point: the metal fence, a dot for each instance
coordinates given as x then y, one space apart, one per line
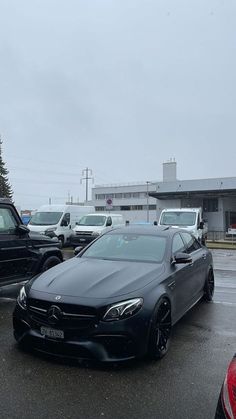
215 236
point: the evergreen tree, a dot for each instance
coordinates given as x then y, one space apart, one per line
5 187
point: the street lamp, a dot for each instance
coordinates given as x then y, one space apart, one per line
148 183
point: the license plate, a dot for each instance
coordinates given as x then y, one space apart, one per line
52 333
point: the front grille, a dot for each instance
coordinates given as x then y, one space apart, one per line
84 233
72 316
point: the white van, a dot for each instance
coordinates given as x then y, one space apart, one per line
58 220
189 219
92 225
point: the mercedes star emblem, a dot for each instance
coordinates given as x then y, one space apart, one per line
54 315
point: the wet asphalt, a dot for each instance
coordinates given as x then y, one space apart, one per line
184 384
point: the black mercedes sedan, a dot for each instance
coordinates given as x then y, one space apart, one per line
118 298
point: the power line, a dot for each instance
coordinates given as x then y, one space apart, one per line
50 163
44 170
42 182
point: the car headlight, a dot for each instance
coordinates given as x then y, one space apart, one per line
123 310
22 298
50 229
95 234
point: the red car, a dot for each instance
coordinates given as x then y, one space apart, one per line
226 407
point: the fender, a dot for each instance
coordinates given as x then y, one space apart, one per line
46 252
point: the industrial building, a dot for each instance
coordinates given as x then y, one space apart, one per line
143 202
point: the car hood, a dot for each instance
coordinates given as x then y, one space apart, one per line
40 239
95 278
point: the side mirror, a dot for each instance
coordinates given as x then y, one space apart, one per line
64 223
181 258
77 250
22 230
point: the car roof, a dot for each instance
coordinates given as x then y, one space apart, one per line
151 230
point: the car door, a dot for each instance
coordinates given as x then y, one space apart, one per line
180 284
198 254
15 256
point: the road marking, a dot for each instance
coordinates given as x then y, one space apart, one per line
225 303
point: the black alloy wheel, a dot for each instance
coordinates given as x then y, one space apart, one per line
209 286
160 333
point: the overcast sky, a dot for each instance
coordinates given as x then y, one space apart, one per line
119 86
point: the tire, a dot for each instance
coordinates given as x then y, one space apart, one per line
209 287
50 262
62 240
160 333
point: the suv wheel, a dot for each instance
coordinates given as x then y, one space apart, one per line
62 240
50 262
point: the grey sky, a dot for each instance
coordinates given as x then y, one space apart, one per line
116 85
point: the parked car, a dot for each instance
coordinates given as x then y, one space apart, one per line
93 225
57 220
22 254
226 408
118 298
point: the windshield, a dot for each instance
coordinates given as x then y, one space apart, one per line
136 247
45 218
92 220
178 218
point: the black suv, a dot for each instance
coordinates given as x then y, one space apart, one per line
23 254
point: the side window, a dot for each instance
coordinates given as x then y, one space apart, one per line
177 244
192 243
65 220
7 221
109 221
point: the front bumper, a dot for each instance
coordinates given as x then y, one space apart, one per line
105 341
81 240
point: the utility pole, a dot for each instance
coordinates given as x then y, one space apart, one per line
148 183
86 175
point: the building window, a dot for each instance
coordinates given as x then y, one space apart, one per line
100 196
127 195
125 208
100 209
137 207
210 205
118 195
135 194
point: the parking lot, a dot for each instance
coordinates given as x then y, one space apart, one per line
184 384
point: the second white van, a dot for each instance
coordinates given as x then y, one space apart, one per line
92 225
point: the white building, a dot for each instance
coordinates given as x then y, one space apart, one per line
141 202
